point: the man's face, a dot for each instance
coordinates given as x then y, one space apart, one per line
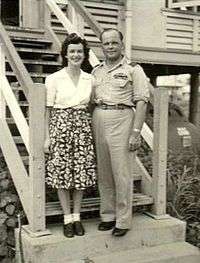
112 45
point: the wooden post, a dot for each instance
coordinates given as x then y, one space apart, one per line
194 98
32 13
128 29
195 41
160 151
2 75
36 158
76 19
153 81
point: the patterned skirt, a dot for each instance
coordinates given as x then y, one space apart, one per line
71 163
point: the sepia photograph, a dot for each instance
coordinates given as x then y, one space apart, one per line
99 131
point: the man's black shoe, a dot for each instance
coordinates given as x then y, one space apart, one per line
104 226
119 232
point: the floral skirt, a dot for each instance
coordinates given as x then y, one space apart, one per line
71 163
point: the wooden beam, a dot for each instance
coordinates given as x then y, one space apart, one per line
15 166
36 159
160 150
15 62
2 75
194 99
16 111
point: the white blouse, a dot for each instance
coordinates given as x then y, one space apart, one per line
62 92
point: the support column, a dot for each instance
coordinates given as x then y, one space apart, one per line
153 81
160 152
128 28
194 99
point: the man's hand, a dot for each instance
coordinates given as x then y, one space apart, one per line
134 142
46 145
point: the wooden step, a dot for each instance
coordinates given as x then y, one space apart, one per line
92 204
40 62
39 51
32 74
30 40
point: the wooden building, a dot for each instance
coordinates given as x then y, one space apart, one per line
164 36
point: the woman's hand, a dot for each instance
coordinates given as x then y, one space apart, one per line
46 145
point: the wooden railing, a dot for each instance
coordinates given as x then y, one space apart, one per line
155 185
184 4
29 185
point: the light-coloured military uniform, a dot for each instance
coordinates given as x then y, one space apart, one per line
122 85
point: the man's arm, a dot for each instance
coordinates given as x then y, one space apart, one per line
140 113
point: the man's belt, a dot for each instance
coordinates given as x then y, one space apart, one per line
113 107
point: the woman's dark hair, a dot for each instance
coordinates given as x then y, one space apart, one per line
73 38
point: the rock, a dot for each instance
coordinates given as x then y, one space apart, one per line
11 222
10 209
3 218
4 184
3 233
11 239
3 175
3 249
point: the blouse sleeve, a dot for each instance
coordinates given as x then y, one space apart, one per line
140 84
50 92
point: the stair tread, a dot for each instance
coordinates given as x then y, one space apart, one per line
32 74
157 254
40 62
92 204
29 39
37 50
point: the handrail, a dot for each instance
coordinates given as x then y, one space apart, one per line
15 62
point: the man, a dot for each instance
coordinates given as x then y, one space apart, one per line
118 87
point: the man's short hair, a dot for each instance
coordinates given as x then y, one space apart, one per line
111 29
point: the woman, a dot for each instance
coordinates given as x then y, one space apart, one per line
71 165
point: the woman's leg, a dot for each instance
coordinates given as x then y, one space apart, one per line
77 198
64 197
78 227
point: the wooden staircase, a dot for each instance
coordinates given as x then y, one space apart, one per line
30 57
40 61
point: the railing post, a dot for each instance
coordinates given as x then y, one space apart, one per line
36 159
76 19
195 42
2 75
160 129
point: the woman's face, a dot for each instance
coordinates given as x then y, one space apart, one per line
75 54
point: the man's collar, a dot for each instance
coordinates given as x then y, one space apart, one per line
120 63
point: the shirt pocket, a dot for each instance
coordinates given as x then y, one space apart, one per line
121 83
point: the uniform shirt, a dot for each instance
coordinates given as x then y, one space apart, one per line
62 92
123 84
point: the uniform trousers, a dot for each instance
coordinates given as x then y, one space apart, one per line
115 164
